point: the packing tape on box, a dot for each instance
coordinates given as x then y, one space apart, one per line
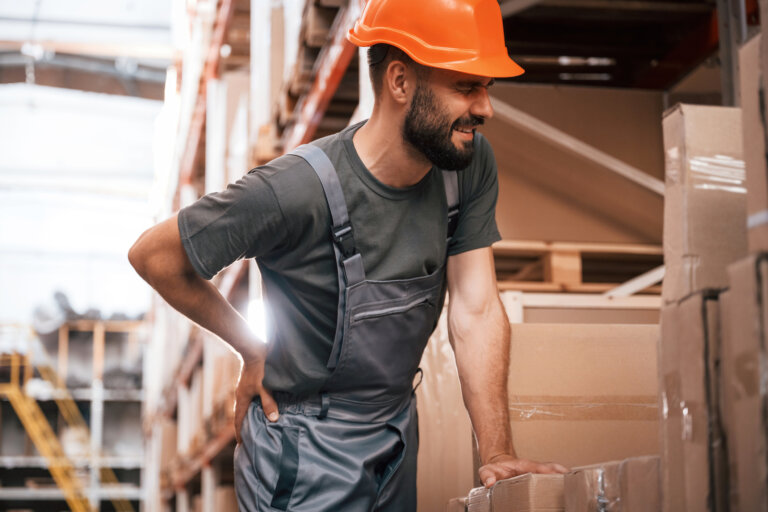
606 408
710 172
693 416
718 172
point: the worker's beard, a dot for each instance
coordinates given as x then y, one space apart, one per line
428 128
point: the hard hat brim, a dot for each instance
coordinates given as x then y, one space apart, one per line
494 66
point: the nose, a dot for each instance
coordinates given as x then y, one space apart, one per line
482 104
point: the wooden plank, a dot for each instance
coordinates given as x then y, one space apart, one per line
563 268
332 64
637 284
537 247
98 350
63 357
531 286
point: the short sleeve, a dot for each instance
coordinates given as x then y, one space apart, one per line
478 193
243 221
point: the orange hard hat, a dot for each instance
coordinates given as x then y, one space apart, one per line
462 35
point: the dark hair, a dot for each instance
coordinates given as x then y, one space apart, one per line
379 57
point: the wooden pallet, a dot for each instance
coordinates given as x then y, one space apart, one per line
572 267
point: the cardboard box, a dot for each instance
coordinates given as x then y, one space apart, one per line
704 202
694 473
639 484
457 505
593 487
525 493
745 371
578 394
630 485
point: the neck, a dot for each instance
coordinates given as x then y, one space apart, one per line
394 162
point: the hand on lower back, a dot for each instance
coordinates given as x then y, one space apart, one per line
249 386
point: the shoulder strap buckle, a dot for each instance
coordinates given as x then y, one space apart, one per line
344 238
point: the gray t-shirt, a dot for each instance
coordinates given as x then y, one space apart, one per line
277 213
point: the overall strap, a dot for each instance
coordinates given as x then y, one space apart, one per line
451 182
349 263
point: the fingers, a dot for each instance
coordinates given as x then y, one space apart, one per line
269 405
493 472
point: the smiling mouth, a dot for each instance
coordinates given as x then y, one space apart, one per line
465 130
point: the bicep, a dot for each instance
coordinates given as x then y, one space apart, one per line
471 282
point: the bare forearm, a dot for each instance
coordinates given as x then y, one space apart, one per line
200 301
481 344
159 258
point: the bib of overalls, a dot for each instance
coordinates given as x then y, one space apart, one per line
383 326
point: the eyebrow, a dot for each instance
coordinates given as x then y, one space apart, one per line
475 83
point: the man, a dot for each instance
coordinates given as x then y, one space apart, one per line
358 236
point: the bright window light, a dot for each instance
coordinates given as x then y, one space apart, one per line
257 318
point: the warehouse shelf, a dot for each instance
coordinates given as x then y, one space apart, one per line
87 395
104 493
26 461
102 352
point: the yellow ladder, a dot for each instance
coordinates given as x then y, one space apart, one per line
40 431
73 418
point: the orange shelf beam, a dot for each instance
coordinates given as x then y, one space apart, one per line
332 64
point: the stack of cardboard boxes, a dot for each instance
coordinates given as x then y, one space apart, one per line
712 348
744 386
704 232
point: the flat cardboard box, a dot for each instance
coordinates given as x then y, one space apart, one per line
525 493
546 192
594 487
639 484
704 201
578 394
745 371
693 460
754 146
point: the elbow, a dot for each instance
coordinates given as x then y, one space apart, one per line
137 258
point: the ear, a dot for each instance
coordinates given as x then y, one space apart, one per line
399 81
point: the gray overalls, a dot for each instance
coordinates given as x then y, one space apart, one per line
354 445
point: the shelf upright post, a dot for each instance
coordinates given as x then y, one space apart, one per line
97 412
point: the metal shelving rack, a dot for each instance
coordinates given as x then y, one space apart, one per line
64 407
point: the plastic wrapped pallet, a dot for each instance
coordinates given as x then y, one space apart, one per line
525 493
594 487
694 472
630 485
705 198
745 372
